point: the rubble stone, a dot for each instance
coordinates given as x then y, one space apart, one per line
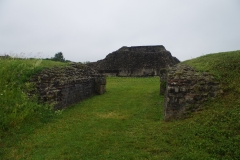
185 90
135 61
68 85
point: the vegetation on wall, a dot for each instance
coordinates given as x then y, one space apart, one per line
224 66
16 107
127 121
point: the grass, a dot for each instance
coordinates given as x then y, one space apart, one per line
17 110
224 66
115 125
127 123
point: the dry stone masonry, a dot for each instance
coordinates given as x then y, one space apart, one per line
163 80
185 90
135 61
68 85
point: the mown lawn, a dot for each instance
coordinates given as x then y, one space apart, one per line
124 123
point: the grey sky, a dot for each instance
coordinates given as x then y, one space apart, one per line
88 30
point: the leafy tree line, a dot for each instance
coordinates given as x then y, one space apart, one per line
58 57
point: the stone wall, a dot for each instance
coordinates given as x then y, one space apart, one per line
163 80
68 85
135 61
185 90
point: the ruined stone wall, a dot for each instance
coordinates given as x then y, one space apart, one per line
135 61
163 80
185 91
68 85
157 48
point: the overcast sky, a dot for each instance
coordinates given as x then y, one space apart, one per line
88 30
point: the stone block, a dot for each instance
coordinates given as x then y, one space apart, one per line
100 89
101 80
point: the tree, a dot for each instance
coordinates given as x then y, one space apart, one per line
86 62
59 57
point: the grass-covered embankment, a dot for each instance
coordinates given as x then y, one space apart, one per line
17 109
127 123
215 132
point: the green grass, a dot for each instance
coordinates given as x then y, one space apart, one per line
16 108
127 123
122 123
224 66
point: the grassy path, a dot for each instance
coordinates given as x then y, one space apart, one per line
124 123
